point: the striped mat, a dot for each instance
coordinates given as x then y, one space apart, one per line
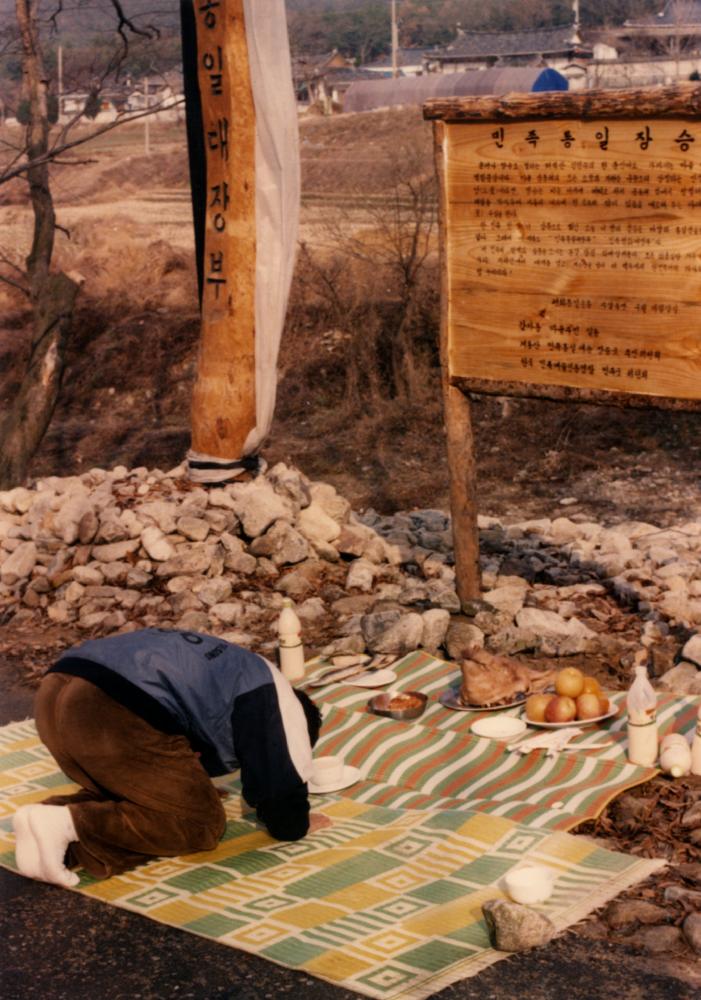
436 763
385 902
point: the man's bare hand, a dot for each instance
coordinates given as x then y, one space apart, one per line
317 821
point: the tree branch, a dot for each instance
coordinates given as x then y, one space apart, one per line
55 151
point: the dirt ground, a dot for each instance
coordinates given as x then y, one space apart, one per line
129 222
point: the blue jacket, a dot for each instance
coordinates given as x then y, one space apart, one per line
235 708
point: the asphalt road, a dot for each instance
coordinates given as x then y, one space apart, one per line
59 945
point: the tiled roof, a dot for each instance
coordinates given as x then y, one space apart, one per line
405 57
674 13
510 43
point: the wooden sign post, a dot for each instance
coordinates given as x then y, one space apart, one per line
223 401
571 259
244 166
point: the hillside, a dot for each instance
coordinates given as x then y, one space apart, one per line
348 410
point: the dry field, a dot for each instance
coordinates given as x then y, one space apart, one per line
349 409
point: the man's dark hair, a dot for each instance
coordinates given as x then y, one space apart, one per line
311 714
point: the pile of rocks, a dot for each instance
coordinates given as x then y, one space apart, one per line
118 549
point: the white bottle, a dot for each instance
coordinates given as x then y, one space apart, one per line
290 648
675 755
696 747
641 704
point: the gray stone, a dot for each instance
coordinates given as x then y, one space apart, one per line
162 513
19 564
508 598
303 581
282 543
656 940
325 496
236 559
116 572
489 622
692 817
316 525
353 539
691 929
179 603
361 575
192 560
679 679
195 529
461 634
624 912
226 612
213 591
513 927
435 627
194 621
345 644
675 893
89 575
156 545
392 632
257 506
691 650
116 551
443 595
222 499
312 610
290 483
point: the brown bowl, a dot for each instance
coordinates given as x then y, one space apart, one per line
389 704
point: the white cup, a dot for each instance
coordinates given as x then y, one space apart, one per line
530 884
327 771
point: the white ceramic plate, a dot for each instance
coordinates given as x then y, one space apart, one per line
349 777
377 679
450 699
573 722
499 727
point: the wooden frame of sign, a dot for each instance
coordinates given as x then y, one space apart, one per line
570 233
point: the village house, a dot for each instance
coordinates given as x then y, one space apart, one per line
557 48
660 48
321 81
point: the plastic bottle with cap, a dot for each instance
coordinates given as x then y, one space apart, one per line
641 704
675 755
696 747
290 648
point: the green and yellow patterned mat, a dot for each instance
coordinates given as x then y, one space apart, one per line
386 901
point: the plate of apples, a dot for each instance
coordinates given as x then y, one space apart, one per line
577 698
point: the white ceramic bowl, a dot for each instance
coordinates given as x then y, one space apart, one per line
327 771
530 884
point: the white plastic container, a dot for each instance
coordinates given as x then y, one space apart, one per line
530 884
696 747
290 648
641 703
675 755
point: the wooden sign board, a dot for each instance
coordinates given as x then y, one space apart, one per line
572 244
571 260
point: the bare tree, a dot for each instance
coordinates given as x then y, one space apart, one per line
52 295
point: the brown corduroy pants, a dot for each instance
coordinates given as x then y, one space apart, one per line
145 792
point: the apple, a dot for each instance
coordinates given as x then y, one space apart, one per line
591 685
561 708
570 682
588 706
536 705
604 704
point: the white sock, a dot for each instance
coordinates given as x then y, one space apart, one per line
53 830
26 847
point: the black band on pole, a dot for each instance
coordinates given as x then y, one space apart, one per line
195 132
